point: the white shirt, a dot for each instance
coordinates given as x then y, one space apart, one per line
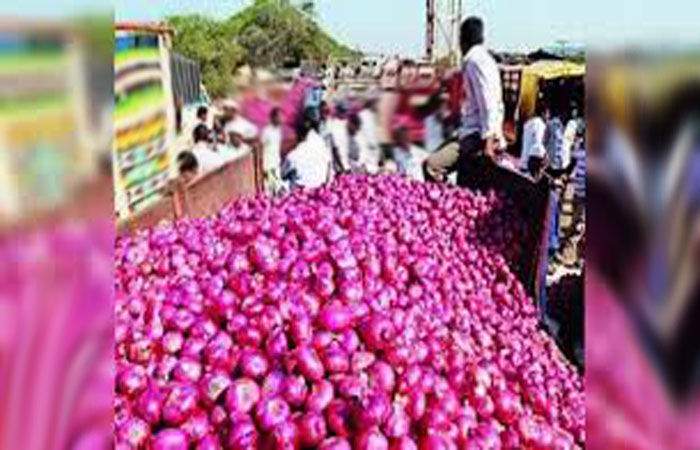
483 108
369 127
310 161
229 152
559 153
207 159
410 163
570 137
433 132
272 145
368 156
241 126
533 140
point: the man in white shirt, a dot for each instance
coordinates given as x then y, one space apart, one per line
272 151
308 165
407 157
533 151
234 148
236 123
355 151
207 159
368 117
481 132
571 134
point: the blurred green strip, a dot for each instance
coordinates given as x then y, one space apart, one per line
137 100
23 108
43 61
124 56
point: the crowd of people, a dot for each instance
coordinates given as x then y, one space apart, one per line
332 138
217 140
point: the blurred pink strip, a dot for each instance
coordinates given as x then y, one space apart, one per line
56 340
627 404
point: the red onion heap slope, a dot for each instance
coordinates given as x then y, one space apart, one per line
373 313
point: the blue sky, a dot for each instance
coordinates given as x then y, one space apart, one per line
397 25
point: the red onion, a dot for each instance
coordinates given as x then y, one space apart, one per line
338 417
149 405
285 436
309 363
242 436
170 439
242 396
294 390
335 317
134 431
373 310
312 429
320 396
402 443
434 442
371 439
361 361
398 423
381 376
336 361
271 412
209 442
334 443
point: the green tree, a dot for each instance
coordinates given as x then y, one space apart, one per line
206 41
269 33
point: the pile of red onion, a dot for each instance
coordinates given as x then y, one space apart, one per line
372 313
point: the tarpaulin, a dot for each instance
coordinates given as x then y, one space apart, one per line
543 70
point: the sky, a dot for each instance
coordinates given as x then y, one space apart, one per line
390 26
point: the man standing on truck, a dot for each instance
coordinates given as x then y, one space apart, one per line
272 151
481 131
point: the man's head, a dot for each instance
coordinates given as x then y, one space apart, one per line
371 104
325 110
341 110
535 165
188 165
276 116
202 113
542 109
402 137
230 109
471 33
354 124
200 134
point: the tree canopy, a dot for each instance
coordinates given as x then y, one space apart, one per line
269 33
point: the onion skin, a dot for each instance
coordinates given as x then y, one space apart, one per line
320 396
243 436
271 412
382 376
309 363
335 317
209 442
338 417
242 396
312 429
402 443
371 439
170 439
294 390
335 443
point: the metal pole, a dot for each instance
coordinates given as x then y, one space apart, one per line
429 29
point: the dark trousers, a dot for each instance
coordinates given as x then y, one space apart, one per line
464 156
